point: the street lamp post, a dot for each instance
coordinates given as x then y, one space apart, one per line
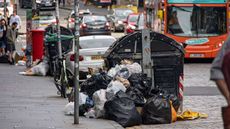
76 62
4 8
58 30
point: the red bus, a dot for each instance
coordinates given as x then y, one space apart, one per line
201 24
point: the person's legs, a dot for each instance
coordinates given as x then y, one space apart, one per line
11 49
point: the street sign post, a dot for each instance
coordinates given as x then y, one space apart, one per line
76 62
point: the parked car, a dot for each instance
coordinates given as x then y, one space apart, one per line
94 25
92 49
71 18
9 7
45 4
131 23
46 19
117 18
25 3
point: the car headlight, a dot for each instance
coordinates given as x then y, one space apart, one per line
120 22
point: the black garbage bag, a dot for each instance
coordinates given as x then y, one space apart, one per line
86 107
141 82
173 98
157 110
96 82
136 96
122 110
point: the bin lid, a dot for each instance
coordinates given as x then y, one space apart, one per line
131 43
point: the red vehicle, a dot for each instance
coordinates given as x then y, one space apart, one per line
200 24
131 23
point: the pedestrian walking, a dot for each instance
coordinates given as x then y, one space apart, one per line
15 18
220 73
3 39
11 35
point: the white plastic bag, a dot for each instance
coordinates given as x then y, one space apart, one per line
82 98
90 114
113 88
99 99
134 68
113 71
40 69
69 108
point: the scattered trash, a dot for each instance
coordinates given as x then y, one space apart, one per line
157 110
82 98
69 109
125 82
113 88
40 69
121 109
21 63
90 114
191 115
173 98
113 71
141 82
96 82
134 68
136 96
99 99
123 73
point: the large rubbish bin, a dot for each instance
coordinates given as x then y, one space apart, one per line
52 46
167 57
37 43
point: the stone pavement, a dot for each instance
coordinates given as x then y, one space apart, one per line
32 103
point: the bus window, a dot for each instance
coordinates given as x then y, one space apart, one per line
196 21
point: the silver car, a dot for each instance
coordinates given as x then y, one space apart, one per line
46 19
91 53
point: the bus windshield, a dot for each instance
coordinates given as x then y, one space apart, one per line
196 21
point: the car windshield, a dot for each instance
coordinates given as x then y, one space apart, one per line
197 21
122 14
93 42
46 17
133 18
90 19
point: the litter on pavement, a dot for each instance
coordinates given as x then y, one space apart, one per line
126 95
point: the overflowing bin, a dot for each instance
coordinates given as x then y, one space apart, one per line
167 58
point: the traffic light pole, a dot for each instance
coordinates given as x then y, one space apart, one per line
76 62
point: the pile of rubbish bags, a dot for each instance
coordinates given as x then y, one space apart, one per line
126 95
